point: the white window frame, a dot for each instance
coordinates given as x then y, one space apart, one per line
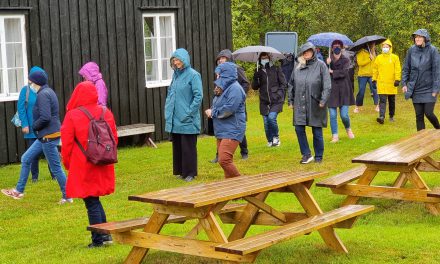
160 82
6 95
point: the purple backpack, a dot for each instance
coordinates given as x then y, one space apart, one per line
101 145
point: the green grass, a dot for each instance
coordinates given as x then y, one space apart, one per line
37 230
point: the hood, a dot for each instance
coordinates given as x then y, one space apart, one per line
225 53
183 55
90 71
388 42
422 32
306 46
84 94
228 75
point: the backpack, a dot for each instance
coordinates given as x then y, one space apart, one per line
101 145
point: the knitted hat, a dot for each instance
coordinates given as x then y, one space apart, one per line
38 77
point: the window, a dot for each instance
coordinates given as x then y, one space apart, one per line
159 43
13 62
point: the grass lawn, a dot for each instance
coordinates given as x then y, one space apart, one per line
37 230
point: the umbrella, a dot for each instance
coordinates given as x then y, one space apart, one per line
367 39
251 53
325 39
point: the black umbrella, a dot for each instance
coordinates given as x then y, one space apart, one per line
360 43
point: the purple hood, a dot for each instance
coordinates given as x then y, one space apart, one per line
90 71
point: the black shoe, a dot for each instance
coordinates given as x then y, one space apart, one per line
306 159
244 156
95 245
215 160
34 180
189 178
107 239
318 160
380 120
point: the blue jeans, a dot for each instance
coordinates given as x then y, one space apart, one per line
271 126
53 159
96 215
362 81
343 112
318 141
34 164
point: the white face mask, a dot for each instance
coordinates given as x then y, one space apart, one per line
385 50
264 62
33 88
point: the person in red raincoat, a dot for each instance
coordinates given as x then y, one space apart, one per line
86 180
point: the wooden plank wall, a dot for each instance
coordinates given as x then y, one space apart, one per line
64 34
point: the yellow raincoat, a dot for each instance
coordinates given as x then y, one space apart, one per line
365 64
386 70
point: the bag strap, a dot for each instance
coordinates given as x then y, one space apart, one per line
102 113
86 112
27 93
80 147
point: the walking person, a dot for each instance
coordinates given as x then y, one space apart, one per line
309 91
421 78
229 117
341 95
46 126
271 83
226 56
85 179
386 74
365 58
90 72
182 115
25 106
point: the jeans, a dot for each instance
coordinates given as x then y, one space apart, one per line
34 164
226 148
96 215
343 112
318 141
425 109
383 104
50 151
362 81
271 126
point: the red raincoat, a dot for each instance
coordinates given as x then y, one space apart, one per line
84 179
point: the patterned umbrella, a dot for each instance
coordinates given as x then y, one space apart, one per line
325 39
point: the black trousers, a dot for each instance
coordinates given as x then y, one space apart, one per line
244 146
96 215
383 104
425 109
184 154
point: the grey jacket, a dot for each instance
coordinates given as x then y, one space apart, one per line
309 85
421 71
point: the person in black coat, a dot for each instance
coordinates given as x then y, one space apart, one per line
270 80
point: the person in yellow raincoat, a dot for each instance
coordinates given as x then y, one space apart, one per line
364 59
386 75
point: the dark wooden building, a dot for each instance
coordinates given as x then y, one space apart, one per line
131 40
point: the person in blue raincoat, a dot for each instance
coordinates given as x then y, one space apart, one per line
421 78
182 114
229 117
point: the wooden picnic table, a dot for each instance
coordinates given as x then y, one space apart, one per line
407 157
203 202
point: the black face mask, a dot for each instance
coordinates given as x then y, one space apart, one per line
337 51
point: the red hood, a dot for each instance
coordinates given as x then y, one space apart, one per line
84 94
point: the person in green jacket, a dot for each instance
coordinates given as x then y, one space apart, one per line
182 114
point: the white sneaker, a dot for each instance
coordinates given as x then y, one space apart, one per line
67 200
269 144
276 142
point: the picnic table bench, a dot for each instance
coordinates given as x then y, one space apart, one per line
407 157
203 202
137 129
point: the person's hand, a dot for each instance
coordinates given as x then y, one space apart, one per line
208 113
291 106
330 71
434 94
374 82
25 130
396 83
404 89
321 105
218 91
329 60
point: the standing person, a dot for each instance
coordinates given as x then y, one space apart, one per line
229 117
47 129
270 80
226 56
342 93
386 74
86 180
309 90
90 72
364 59
182 115
25 106
352 57
319 54
421 78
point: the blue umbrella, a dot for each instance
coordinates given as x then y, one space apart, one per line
325 39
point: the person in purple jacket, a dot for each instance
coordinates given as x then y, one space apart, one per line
90 72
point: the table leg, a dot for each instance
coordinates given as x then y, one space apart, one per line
401 180
154 225
415 178
312 208
366 178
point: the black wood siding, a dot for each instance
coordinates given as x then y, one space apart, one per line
64 34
